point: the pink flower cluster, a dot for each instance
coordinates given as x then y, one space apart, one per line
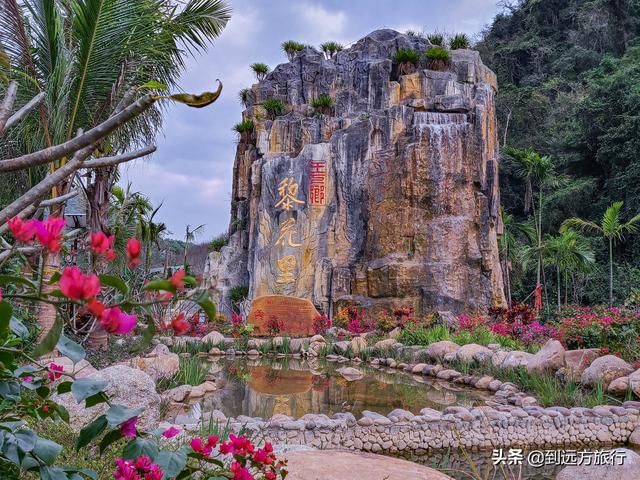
48 232
141 468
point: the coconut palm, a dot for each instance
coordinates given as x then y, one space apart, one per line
190 235
538 173
511 247
568 252
331 49
611 228
88 57
260 70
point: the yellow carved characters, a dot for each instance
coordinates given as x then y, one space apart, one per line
287 266
288 193
286 233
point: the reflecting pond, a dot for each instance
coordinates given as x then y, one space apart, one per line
295 387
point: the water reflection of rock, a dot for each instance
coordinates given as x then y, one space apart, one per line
293 387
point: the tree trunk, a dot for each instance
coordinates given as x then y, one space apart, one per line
558 281
611 272
46 315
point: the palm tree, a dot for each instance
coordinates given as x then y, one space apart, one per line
511 248
189 236
150 233
538 173
88 56
569 252
260 70
611 229
291 47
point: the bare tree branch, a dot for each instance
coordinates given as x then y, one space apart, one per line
20 114
7 104
118 159
58 200
8 253
56 152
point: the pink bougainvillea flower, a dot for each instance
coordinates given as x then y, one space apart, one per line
22 230
237 445
101 243
134 248
49 233
240 472
114 320
55 371
77 286
198 445
143 462
27 379
180 325
171 432
212 441
125 470
154 473
177 279
128 427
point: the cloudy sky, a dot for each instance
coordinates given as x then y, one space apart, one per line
191 171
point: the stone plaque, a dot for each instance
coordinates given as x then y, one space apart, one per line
293 315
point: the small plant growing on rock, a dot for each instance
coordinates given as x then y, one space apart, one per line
219 242
436 39
323 104
260 70
244 129
458 41
274 107
437 58
414 34
407 60
244 96
291 47
331 49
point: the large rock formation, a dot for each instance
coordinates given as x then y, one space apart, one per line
390 197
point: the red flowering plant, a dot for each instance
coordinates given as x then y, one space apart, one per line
321 323
353 319
274 325
27 384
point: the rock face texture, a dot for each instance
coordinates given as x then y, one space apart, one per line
389 197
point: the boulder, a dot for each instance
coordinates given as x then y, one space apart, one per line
158 366
628 470
498 357
604 370
342 465
214 338
516 359
438 350
126 386
619 386
634 438
177 394
634 382
341 347
548 359
468 353
350 374
358 344
386 344
576 361
159 349
395 333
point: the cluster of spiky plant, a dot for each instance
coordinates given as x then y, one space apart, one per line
274 107
243 96
437 58
323 103
331 49
437 39
260 70
407 60
291 47
458 41
245 126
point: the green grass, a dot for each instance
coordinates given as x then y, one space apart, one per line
436 39
406 55
420 335
195 347
217 243
274 107
438 54
459 40
243 96
245 126
322 102
547 388
192 371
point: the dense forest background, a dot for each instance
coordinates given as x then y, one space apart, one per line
569 76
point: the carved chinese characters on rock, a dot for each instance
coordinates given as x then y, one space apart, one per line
287 235
317 183
296 315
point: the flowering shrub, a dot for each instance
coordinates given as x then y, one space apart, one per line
385 321
274 325
321 324
26 384
353 319
598 327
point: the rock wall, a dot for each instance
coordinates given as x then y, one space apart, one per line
388 198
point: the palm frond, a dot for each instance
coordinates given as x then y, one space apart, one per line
580 225
611 221
199 22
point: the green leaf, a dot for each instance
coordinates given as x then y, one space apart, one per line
140 446
70 349
86 387
64 387
155 85
26 440
147 335
115 282
51 340
190 281
62 411
12 279
208 307
172 463
55 278
46 450
43 391
96 399
6 312
159 284
119 413
18 328
52 473
91 431
109 438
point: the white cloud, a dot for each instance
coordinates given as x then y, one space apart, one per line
321 23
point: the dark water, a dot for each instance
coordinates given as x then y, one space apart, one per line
295 387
